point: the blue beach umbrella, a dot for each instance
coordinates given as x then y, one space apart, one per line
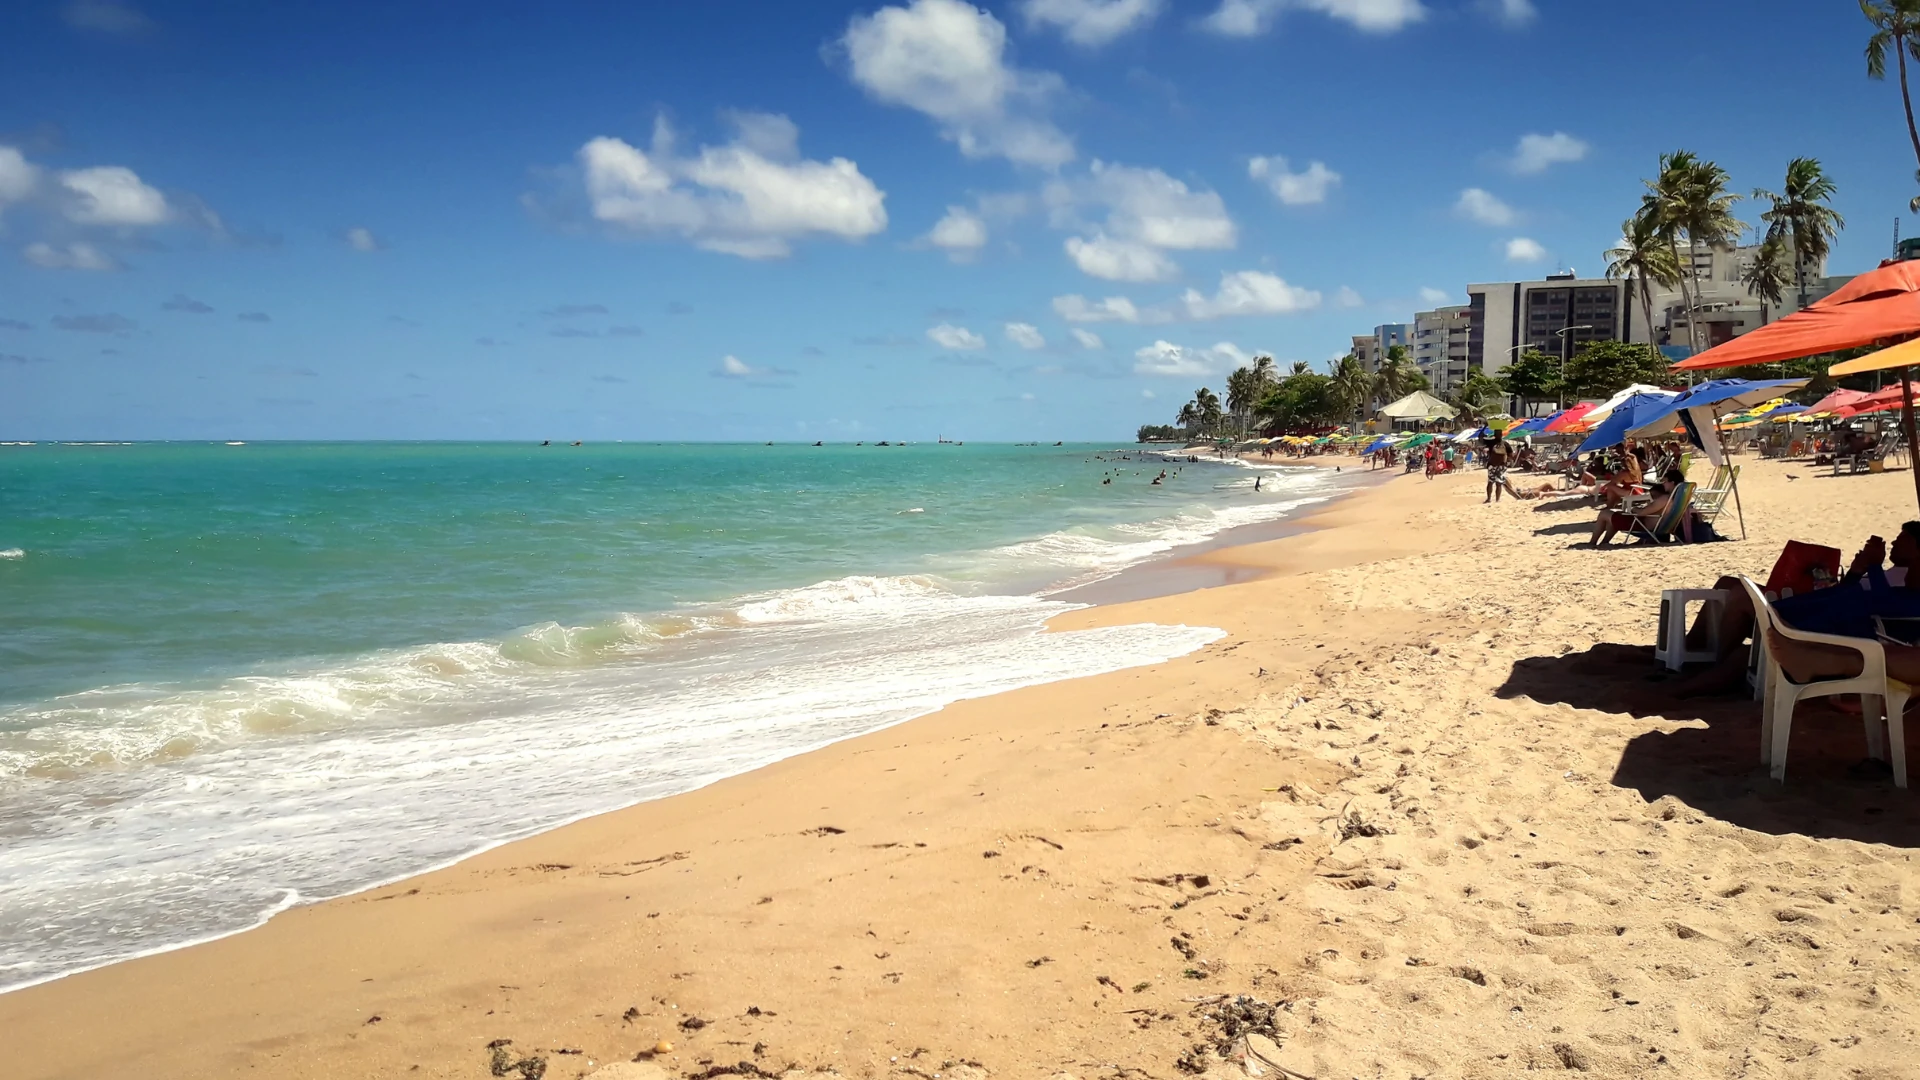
1722 395
1633 414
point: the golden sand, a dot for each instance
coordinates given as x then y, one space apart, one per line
1428 803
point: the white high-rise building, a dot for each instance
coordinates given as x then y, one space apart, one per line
1723 306
1440 345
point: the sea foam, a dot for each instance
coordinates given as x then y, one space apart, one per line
142 817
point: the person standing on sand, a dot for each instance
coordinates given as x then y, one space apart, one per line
1497 470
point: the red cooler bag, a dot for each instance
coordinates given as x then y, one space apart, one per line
1802 568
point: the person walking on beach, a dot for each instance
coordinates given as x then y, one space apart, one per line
1497 471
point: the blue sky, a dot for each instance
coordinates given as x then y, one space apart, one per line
807 219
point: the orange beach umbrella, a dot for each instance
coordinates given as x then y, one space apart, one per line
1879 305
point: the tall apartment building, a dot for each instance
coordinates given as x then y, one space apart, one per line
1722 305
1372 348
1367 350
1555 316
1440 345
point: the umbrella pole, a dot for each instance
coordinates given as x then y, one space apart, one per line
1906 426
1733 477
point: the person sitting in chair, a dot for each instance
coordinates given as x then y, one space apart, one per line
1847 608
1611 521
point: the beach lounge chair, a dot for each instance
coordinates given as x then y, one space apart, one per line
1671 522
1890 447
1710 500
1878 691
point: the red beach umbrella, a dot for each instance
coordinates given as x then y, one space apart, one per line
1571 417
1836 400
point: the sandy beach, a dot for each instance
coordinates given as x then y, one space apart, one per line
1428 806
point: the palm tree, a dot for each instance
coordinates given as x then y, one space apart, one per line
1242 392
1188 417
1246 386
1896 25
1476 391
1398 375
1645 258
1766 277
1690 196
1207 405
1353 385
1801 215
1300 367
1660 214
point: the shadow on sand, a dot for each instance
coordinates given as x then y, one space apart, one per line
1831 790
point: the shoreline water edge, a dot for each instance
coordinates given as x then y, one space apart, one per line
337 780
1425 807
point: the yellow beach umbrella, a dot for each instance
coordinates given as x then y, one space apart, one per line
1902 356
1905 354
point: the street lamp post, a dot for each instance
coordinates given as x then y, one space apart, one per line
1560 396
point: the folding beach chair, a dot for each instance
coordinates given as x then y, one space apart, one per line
1710 500
1668 525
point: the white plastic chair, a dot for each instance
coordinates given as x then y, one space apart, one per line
1876 689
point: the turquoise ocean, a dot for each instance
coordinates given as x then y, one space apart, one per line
239 677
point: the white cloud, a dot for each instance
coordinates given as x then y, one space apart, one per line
1482 206
105 16
947 59
112 195
961 234
1166 358
752 197
1025 335
1027 396
1078 309
1249 292
1251 18
732 367
1521 249
1538 153
76 256
1512 12
957 338
18 176
1146 206
1146 213
361 238
1087 338
1431 295
1291 188
1119 260
1347 298
1092 23
1148 394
